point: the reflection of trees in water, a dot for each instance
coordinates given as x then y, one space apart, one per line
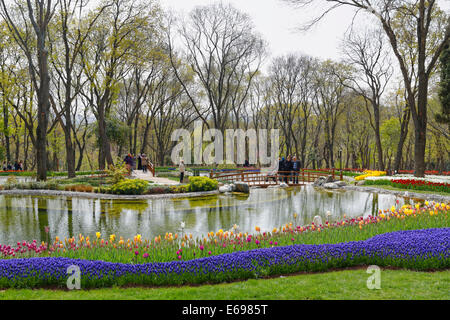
69 217
42 216
25 218
374 204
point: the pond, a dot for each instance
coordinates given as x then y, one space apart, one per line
25 217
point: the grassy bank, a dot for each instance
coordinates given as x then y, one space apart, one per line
345 284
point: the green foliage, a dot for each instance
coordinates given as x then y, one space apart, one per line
226 166
201 184
444 92
179 189
130 187
442 187
2 153
390 133
11 180
117 172
33 185
159 190
117 131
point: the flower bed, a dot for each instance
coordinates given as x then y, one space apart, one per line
413 184
418 250
173 247
428 178
430 172
370 173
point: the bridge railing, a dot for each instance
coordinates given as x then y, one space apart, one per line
258 177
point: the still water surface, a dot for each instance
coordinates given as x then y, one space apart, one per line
25 217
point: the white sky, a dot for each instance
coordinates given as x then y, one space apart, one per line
278 23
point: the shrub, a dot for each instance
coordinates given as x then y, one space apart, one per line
79 188
201 184
226 166
130 186
11 180
159 190
179 189
118 172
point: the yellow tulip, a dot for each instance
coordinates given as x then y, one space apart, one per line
98 234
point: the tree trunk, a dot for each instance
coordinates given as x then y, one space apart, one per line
5 131
43 112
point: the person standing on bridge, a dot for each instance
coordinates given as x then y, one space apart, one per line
182 169
139 157
281 168
144 161
295 170
288 169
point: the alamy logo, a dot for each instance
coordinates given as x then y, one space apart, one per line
74 280
374 281
235 148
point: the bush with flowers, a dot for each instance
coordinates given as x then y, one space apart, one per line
130 187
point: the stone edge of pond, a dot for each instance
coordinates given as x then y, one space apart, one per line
105 196
423 196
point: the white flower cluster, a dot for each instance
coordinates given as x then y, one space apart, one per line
428 178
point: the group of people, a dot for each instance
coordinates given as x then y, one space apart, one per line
288 169
142 162
18 166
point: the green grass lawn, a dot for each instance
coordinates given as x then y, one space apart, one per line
345 284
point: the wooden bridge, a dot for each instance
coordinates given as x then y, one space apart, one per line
256 177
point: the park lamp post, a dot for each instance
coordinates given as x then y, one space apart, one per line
340 161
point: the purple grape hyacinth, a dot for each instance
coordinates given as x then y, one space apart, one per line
418 249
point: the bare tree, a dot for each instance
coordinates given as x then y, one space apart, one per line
370 60
429 33
28 22
68 39
329 81
103 57
224 53
291 78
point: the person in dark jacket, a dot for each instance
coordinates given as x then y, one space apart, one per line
281 167
295 169
139 157
129 162
288 169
